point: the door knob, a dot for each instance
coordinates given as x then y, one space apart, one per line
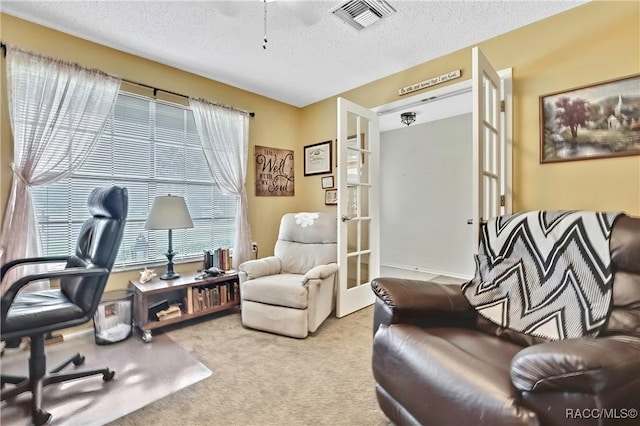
469 221
346 218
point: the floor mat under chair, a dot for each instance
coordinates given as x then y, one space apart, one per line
144 373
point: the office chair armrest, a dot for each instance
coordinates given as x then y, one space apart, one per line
44 259
11 293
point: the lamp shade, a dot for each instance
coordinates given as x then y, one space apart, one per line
169 212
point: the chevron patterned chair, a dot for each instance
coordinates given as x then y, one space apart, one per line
561 346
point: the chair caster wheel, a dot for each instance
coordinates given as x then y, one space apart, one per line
107 377
146 336
41 418
79 360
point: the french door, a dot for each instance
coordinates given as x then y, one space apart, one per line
358 207
488 194
358 189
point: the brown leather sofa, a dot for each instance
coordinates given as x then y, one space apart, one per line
436 362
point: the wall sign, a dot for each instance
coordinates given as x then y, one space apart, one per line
451 75
274 171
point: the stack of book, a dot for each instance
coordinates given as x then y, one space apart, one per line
220 258
199 298
172 311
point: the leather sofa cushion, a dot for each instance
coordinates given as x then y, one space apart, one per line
449 375
513 336
280 290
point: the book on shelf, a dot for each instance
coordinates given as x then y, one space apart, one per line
207 298
236 291
216 296
189 301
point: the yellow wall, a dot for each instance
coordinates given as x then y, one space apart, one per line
275 125
591 43
594 42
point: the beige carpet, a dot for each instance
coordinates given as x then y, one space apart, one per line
264 379
144 373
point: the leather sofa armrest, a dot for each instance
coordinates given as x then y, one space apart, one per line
423 303
578 365
251 269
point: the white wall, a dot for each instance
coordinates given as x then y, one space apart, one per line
426 197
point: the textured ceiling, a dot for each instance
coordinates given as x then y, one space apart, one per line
311 55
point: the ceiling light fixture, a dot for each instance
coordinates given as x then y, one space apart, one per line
408 117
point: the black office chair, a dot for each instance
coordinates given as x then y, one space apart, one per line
82 284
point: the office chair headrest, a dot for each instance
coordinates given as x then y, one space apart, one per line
110 202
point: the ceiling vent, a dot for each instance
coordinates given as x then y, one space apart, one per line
362 13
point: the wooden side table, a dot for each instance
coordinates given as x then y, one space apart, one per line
196 298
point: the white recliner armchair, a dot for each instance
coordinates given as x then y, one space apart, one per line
292 292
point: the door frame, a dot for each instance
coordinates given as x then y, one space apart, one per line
434 95
506 122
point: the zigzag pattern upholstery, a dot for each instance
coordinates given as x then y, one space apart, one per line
545 273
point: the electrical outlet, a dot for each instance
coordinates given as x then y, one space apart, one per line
254 247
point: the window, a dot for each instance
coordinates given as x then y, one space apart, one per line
152 148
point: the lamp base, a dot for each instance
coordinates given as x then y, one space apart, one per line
169 275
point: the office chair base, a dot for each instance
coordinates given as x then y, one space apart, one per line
41 418
35 385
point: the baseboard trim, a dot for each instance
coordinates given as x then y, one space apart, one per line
426 271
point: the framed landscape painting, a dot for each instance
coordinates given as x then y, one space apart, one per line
597 121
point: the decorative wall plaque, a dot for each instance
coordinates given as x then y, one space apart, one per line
451 75
274 171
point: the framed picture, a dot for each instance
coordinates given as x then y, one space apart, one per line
327 182
331 196
317 158
597 121
274 171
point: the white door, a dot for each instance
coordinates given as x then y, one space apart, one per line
358 213
487 140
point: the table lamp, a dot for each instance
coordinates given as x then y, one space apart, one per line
169 212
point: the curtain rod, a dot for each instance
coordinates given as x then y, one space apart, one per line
156 90
3 46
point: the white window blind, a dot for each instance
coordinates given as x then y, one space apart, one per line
152 148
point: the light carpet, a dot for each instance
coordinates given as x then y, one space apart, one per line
266 379
144 373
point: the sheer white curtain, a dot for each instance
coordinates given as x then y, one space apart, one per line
224 133
57 111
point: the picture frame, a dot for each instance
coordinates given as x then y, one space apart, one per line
274 169
330 197
601 120
317 158
327 182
